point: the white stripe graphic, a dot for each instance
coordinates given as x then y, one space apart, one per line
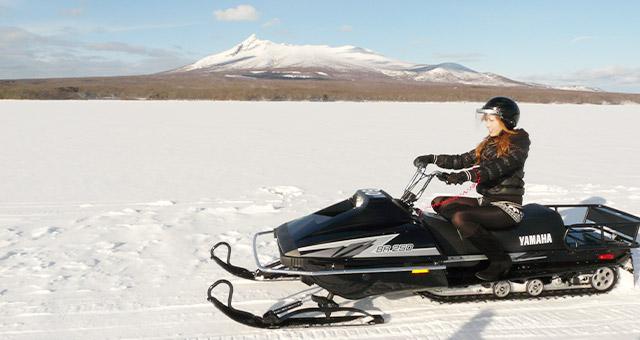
379 240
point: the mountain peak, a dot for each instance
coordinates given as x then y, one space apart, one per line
252 41
247 44
260 58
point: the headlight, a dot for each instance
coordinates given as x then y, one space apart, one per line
359 201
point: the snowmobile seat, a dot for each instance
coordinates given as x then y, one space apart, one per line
537 220
536 215
541 228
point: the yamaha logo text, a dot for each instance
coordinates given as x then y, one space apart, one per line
532 240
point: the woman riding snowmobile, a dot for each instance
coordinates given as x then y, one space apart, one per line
372 244
497 165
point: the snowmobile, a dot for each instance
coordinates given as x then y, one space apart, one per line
372 244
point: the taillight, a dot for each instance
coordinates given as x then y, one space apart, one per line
605 257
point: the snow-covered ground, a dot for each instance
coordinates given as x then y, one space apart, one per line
108 210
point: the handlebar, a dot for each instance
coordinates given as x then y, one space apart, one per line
408 197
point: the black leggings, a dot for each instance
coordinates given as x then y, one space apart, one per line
466 214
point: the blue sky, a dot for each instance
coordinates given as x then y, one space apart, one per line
593 43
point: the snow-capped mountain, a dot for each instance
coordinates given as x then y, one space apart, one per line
255 58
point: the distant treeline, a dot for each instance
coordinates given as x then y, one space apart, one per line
218 87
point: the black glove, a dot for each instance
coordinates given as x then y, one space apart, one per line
454 177
424 160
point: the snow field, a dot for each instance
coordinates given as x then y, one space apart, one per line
109 209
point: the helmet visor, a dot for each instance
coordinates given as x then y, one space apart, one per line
481 114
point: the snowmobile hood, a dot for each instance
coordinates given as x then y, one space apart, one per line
369 213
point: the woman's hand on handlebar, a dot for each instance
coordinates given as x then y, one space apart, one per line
454 177
422 161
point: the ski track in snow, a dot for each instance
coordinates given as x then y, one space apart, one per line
99 270
140 269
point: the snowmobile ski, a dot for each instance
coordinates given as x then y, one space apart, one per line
291 315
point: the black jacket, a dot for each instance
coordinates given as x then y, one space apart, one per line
500 177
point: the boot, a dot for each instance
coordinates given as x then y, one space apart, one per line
499 260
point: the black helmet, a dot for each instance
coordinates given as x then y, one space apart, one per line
505 108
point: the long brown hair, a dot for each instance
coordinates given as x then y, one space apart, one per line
502 141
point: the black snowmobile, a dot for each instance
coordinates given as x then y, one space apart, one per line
372 244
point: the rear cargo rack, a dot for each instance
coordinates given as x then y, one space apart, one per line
602 228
